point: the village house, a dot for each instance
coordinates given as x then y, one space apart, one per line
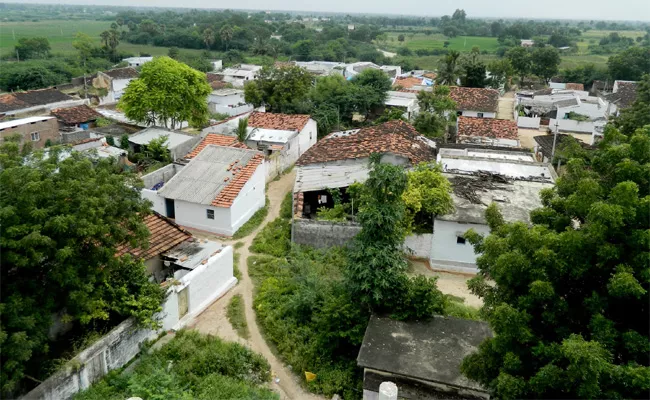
527 43
215 80
217 191
228 101
35 130
475 102
283 138
240 74
75 118
322 68
581 117
352 70
178 143
487 131
413 83
622 96
114 82
405 101
35 102
137 61
480 176
544 146
422 358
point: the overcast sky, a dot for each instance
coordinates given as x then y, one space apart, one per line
554 9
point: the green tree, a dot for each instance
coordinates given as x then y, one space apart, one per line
427 195
173 52
208 38
84 45
36 47
630 64
437 112
282 90
334 93
545 62
242 130
390 114
167 92
448 71
158 150
62 223
400 37
371 87
558 294
521 61
226 33
639 113
500 73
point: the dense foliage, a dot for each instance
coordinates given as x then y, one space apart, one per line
436 112
62 221
281 90
427 195
167 92
190 366
569 299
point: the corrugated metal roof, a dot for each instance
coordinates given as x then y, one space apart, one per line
331 175
206 175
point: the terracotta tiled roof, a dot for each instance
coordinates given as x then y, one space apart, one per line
122 73
215 80
430 75
575 86
487 127
165 235
228 194
76 115
475 99
216 139
545 143
287 122
407 82
396 137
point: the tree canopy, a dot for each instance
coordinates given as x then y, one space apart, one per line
282 90
62 220
437 112
569 299
167 92
630 64
639 113
545 62
35 47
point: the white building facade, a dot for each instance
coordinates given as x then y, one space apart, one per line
228 101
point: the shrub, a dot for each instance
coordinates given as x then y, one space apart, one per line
274 239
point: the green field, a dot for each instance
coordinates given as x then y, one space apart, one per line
436 41
61 34
593 37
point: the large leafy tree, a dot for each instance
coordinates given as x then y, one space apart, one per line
569 301
36 47
448 72
521 61
545 62
427 195
282 90
473 70
167 92
370 88
437 112
630 64
639 113
61 224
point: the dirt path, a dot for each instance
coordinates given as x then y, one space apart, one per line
448 282
506 106
213 320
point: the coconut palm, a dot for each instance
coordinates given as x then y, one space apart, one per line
448 71
226 34
242 130
208 37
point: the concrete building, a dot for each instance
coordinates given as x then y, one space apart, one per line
322 68
228 101
405 101
475 102
479 176
241 74
34 130
283 138
622 96
114 81
178 143
137 61
352 70
487 131
422 358
35 102
217 191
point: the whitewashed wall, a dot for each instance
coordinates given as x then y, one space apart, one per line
467 113
419 246
569 125
195 215
446 253
528 122
250 199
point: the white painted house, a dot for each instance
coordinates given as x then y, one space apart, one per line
352 70
137 61
114 81
228 101
475 102
241 74
217 191
514 180
589 112
178 143
405 101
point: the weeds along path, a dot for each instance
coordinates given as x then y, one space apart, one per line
213 320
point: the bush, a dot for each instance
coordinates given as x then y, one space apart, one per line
274 239
286 208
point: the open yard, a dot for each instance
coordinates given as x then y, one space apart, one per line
62 33
415 41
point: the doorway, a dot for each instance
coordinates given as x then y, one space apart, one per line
169 208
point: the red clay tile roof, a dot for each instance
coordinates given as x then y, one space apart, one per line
430 75
76 115
475 99
286 122
407 82
216 139
396 137
487 127
215 81
165 235
31 98
575 86
228 194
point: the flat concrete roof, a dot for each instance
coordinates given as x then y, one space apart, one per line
174 138
23 121
430 351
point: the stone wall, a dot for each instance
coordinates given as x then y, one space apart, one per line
323 234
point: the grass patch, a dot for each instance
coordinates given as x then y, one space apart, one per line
458 309
237 316
253 222
274 239
235 265
238 245
286 208
190 366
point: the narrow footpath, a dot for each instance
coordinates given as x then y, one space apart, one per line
213 320
506 106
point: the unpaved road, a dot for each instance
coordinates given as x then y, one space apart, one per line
213 320
506 106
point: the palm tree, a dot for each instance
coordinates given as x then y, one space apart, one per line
113 41
448 72
226 35
242 130
105 35
208 37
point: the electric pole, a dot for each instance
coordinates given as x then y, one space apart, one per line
557 124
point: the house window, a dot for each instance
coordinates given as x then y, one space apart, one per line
480 115
35 136
459 113
460 240
210 214
309 135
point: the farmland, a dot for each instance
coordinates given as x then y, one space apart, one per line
416 41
